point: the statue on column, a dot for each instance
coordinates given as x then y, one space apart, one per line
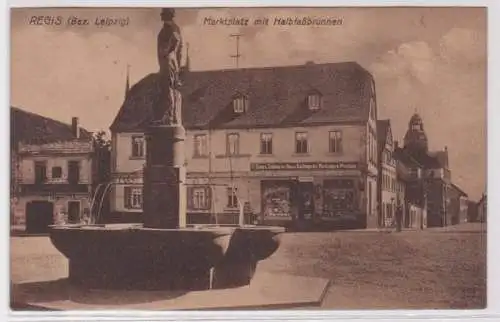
169 59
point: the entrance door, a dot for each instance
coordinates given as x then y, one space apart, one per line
369 199
306 200
39 215
73 212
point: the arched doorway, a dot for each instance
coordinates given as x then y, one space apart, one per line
39 215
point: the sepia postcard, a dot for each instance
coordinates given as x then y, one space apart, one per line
248 158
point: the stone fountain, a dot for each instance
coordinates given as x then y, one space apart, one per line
163 253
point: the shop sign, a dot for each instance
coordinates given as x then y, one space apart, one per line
304 166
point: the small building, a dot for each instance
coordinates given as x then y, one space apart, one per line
51 171
458 205
388 185
290 144
482 209
472 211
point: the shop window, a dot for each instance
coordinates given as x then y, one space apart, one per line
266 143
338 197
199 197
301 142
276 199
133 197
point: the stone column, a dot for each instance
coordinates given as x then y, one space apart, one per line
164 178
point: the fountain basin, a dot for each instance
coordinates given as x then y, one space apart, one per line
129 256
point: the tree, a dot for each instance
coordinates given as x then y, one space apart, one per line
102 173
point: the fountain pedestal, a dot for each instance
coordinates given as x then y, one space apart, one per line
164 191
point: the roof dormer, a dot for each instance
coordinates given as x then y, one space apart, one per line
314 100
240 103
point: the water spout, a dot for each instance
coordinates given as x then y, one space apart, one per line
241 217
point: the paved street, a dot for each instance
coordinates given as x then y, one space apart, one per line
437 268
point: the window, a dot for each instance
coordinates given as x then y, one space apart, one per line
56 172
73 172
200 145
335 141
301 142
40 172
240 104
133 197
372 108
232 199
137 146
388 157
314 102
388 210
266 143
200 198
233 144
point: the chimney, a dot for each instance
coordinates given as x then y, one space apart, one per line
75 128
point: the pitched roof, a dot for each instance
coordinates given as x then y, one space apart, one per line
29 127
404 157
460 191
277 97
441 158
382 129
431 159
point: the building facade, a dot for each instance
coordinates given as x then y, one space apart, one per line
472 211
284 145
482 209
458 205
52 175
410 176
389 188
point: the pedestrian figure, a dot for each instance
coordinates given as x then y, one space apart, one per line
399 216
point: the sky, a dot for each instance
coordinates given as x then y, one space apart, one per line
427 60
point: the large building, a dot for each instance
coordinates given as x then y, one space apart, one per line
437 175
51 171
287 144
